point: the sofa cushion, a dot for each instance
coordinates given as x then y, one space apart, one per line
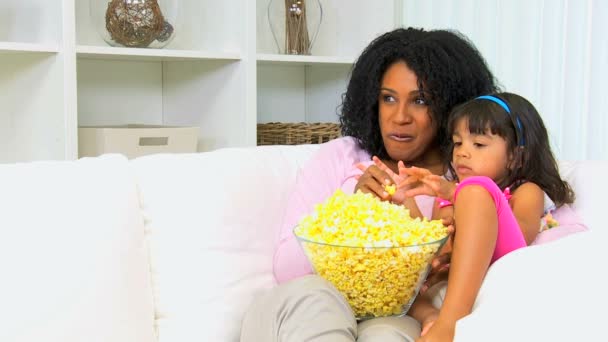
546 292
211 220
542 293
72 253
589 182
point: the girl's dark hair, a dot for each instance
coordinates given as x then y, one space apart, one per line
449 69
532 158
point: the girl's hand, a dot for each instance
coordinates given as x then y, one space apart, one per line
428 322
438 331
423 182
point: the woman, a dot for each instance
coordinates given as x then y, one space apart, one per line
401 90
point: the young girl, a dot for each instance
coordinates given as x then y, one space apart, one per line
501 167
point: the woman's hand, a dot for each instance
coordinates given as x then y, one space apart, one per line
440 269
373 181
440 266
377 177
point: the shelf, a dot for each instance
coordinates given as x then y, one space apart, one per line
29 48
305 60
139 54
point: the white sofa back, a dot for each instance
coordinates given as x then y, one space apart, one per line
211 221
72 254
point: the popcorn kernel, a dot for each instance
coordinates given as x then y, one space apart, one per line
390 189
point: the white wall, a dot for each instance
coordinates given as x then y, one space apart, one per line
553 52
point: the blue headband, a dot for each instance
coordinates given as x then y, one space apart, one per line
504 106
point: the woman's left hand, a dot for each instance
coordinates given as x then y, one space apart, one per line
440 266
440 270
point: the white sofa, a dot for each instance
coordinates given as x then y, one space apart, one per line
172 248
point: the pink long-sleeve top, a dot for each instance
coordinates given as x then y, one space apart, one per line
332 167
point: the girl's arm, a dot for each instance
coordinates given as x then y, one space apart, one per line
527 203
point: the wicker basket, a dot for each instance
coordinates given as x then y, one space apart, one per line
280 133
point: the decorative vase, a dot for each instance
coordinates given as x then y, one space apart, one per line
135 23
294 24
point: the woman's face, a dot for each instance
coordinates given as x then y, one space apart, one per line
408 132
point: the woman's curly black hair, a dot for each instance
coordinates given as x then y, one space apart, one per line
449 68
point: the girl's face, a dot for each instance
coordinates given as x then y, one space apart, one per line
479 154
405 122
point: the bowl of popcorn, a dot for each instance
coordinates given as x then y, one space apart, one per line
373 252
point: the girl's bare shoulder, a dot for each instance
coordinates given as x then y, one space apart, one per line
528 188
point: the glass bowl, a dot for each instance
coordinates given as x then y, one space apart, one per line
135 23
376 281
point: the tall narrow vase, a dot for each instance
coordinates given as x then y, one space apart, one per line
294 24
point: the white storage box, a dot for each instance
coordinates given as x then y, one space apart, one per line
136 140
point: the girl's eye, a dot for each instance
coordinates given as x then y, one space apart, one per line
479 145
457 143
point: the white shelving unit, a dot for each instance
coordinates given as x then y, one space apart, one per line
221 73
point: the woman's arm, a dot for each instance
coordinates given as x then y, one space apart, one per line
319 178
527 203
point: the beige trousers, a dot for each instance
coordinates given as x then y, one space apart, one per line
310 309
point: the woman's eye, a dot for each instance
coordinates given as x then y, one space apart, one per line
420 101
388 98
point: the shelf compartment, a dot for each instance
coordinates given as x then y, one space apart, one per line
140 54
32 21
203 26
300 93
174 93
32 120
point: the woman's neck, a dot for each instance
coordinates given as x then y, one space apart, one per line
431 162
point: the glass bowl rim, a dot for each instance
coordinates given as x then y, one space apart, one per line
440 241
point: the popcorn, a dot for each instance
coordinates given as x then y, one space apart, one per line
373 252
390 189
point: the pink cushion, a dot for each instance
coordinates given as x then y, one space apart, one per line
569 223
